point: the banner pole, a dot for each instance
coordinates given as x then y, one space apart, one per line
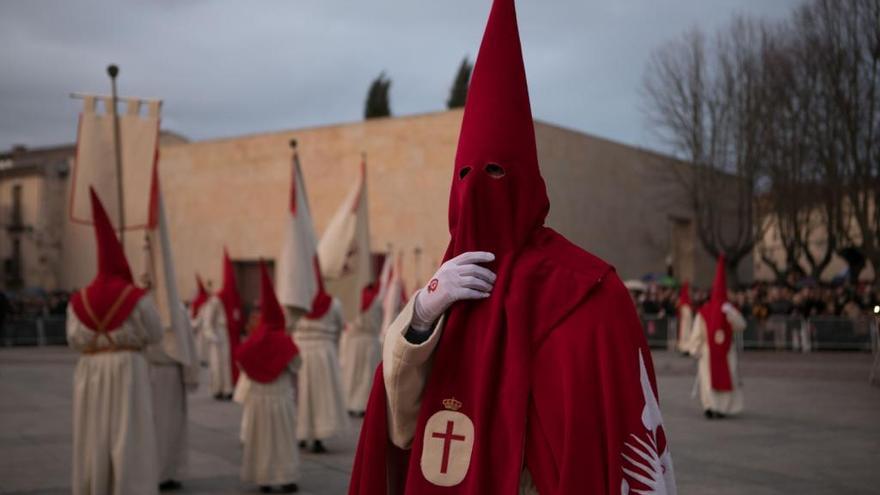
113 71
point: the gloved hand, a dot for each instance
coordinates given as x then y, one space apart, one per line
459 278
727 307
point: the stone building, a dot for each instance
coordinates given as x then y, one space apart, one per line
614 200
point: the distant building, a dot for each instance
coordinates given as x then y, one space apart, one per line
611 199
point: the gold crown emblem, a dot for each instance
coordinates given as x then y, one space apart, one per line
452 404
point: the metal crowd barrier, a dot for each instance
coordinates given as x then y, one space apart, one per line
34 330
824 333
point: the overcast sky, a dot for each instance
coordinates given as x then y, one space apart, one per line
227 68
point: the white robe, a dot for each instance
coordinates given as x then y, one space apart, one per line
322 412
685 325
217 337
114 439
360 353
271 452
199 324
728 403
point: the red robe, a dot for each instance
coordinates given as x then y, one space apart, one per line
588 419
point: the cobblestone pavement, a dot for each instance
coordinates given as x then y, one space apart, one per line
812 426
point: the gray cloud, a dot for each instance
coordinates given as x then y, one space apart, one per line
226 68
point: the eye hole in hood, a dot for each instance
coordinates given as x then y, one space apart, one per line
495 171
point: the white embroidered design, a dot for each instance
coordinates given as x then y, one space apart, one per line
642 461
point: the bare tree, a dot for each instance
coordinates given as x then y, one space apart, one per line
708 102
803 202
842 40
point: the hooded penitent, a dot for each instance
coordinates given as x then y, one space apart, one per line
322 300
228 295
684 295
108 301
483 373
200 299
719 333
268 350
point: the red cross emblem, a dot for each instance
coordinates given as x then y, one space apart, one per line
448 437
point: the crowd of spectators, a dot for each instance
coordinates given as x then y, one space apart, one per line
762 300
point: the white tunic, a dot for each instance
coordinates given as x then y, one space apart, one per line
360 354
271 451
322 412
219 358
114 439
727 403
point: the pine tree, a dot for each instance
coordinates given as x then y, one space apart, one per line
458 93
378 104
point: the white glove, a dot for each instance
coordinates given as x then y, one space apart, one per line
727 308
457 279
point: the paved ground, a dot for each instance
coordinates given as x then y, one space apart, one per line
812 426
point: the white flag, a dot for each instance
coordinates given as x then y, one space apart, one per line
295 274
344 249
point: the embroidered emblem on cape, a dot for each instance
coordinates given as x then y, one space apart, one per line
719 337
646 470
433 285
447 445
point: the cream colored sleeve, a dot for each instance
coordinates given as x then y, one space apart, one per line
405 370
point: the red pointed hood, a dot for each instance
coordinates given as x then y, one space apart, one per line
684 295
201 297
271 314
268 351
489 212
719 285
321 302
112 262
105 304
228 294
231 300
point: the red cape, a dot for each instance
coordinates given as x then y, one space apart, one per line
563 397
